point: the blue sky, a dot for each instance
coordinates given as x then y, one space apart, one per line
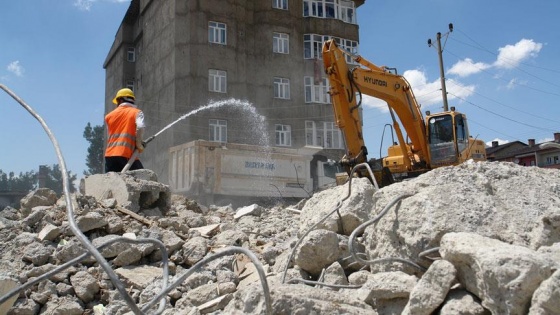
501 64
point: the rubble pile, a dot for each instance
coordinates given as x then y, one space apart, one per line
479 238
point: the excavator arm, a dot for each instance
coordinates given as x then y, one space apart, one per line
347 86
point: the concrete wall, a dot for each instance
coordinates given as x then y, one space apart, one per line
174 56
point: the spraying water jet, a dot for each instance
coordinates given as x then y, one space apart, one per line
209 106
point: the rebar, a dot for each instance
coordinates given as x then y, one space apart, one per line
336 208
360 229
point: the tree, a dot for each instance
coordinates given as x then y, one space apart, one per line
28 181
53 179
24 182
94 160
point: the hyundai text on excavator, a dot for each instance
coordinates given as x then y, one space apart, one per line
437 140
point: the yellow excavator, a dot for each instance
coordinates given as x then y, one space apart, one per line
440 139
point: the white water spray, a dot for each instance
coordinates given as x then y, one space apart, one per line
212 105
258 124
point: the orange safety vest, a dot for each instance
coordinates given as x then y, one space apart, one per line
121 124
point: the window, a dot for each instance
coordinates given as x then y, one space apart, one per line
218 130
347 11
283 135
217 81
323 134
281 43
349 45
313 46
281 88
330 9
332 136
316 93
309 133
131 54
217 33
280 4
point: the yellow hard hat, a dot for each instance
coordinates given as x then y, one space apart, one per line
126 92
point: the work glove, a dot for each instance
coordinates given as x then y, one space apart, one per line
140 146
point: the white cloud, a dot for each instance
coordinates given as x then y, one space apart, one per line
429 93
510 56
467 67
85 5
426 93
372 102
15 68
457 90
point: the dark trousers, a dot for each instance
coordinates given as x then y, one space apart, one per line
117 163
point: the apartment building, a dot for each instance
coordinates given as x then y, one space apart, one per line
179 55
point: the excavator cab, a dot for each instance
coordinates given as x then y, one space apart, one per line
448 139
441 140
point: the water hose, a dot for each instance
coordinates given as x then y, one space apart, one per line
135 154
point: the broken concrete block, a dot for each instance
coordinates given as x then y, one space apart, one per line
253 209
49 232
112 250
460 301
91 221
318 250
194 250
133 190
64 305
6 285
85 285
36 214
37 253
39 197
216 304
430 292
139 276
208 230
503 276
334 274
546 299
128 257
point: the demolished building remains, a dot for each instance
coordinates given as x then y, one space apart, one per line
457 240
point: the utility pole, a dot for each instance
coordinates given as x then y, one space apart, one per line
441 72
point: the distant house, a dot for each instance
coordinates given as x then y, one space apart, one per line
531 154
503 152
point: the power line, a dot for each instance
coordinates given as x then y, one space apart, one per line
512 82
486 127
480 47
502 104
495 54
502 116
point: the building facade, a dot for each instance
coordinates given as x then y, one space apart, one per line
260 59
545 154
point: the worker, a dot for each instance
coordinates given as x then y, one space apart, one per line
125 126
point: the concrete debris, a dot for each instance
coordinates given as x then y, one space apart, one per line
7 284
134 190
478 238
